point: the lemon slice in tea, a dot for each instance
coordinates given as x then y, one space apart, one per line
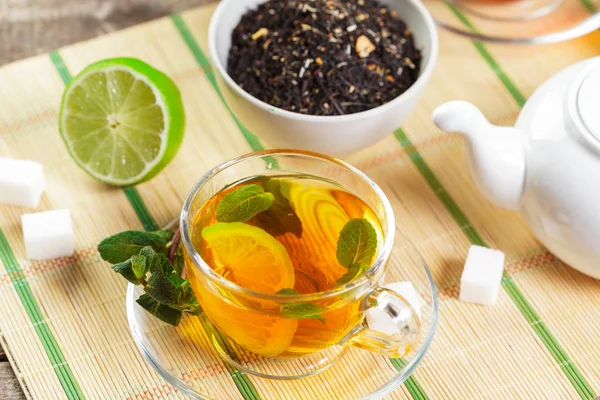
259 333
249 257
122 120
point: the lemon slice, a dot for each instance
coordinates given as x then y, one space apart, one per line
259 333
122 121
249 257
253 259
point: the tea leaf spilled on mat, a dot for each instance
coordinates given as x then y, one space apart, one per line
243 204
141 258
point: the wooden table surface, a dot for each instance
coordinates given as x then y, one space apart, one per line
30 27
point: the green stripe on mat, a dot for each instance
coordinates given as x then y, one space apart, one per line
60 66
241 380
204 63
411 383
532 317
487 56
140 208
51 347
237 376
413 387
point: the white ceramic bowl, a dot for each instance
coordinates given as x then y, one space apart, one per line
326 134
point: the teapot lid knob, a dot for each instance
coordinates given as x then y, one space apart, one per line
588 102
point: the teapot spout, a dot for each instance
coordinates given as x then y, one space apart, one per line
496 155
460 117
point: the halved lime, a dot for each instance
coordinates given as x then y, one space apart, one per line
122 120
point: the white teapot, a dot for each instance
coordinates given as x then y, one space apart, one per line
548 165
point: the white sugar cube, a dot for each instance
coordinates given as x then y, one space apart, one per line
21 182
407 290
48 234
482 276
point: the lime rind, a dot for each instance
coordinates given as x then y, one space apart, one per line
136 160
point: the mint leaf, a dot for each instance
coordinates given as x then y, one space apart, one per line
176 279
281 217
160 311
243 204
185 294
178 262
120 247
126 270
354 272
357 243
161 289
319 318
303 311
156 262
192 307
187 301
288 292
139 266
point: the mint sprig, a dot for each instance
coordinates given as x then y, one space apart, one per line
141 258
244 203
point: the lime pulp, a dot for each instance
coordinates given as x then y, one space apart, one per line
122 121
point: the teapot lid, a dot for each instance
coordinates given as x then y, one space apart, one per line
588 102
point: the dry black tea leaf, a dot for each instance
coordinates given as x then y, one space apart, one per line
319 57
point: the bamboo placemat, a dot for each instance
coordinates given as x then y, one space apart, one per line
63 322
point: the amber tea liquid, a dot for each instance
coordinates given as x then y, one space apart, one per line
323 208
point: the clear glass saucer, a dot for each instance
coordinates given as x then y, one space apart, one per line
202 363
517 21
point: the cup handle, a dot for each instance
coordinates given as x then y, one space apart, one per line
401 332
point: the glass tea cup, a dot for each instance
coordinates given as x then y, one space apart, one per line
259 329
